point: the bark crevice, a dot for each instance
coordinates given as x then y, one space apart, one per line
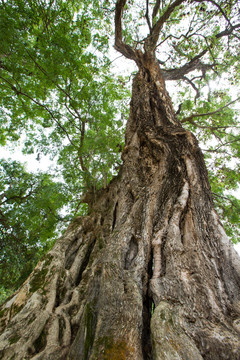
85 262
114 216
148 309
131 253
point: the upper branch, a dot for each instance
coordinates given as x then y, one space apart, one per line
147 16
19 197
228 31
179 73
219 8
151 41
197 115
195 63
120 46
155 10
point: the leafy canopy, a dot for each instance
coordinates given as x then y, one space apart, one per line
56 85
30 216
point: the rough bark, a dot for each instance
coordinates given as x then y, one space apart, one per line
149 273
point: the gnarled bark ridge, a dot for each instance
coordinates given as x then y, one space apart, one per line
149 273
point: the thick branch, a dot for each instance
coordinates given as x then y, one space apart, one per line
227 31
120 46
147 16
194 64
155 10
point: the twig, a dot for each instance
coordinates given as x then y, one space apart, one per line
189 118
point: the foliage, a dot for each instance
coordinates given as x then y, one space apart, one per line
30 220
57 88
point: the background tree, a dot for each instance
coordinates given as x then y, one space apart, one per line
149 272
57 99
29 219
56 88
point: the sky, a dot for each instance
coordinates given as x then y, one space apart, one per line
31 162
237 248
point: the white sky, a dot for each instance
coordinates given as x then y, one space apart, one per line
237 248
30 161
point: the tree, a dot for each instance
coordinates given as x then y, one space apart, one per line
149 273
67 112
60 109
29 218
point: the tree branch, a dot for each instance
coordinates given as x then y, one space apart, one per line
147 16
237 138
225 198
151 41
54 82
19 197
155 10
120 46
191 117
195 63
193 86
83 167
219 8
227 31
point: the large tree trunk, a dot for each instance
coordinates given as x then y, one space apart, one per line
149 273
